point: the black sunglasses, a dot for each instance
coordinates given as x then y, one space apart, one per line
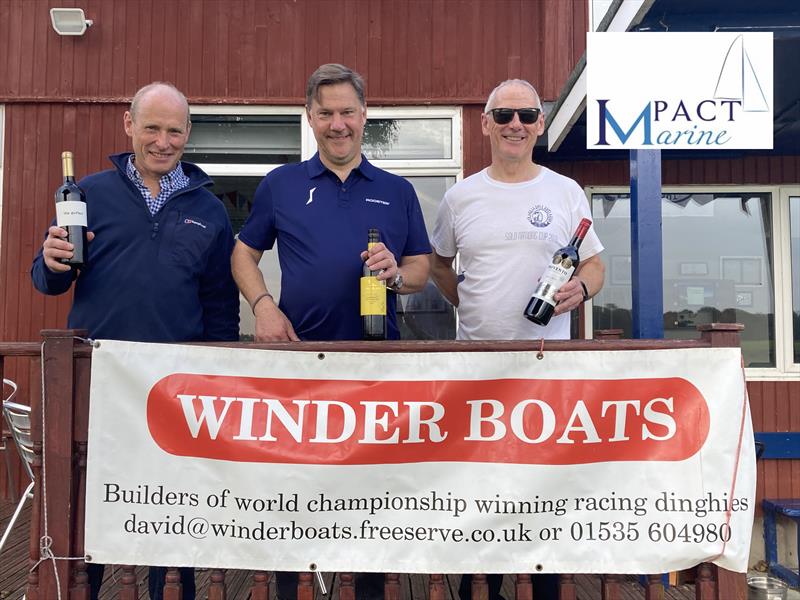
504 116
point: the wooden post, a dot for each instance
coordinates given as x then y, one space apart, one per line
391 586
259 590
567 589
217 590
173 588
523 588
704 584
346 589
57 467
129 587
436 587
305 586
654 588
721 335
611 586
480 588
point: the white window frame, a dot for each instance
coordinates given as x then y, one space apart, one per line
452 167
255 169
782 286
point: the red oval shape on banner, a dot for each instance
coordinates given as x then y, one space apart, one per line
349 422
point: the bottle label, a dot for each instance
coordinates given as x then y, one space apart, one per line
373 296
557 274
70 212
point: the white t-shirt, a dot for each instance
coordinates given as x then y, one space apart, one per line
506 234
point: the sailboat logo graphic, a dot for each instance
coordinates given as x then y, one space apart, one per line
738 80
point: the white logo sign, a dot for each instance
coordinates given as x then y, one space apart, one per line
310 196
689 91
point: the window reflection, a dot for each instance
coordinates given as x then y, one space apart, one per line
408 139
244 139
426 315
717 267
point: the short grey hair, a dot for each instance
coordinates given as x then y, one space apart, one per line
151 87
507 83
331 74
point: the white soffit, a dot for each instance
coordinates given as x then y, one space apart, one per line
572 102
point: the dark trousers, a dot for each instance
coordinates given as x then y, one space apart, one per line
545 587
157 578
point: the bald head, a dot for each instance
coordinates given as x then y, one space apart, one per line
165 92
520 84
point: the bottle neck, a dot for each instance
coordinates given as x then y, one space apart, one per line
577 239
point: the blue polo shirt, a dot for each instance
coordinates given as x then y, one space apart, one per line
321 226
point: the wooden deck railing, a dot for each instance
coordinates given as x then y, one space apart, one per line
57 523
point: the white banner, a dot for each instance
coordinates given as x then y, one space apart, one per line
582 462
678 90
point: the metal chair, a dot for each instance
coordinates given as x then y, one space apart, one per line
18 417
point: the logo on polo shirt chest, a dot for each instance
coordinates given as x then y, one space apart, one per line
310 196
376 201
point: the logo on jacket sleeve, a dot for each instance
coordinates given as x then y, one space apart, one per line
540 216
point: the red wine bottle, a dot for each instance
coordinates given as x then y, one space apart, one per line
559 271
71 214
373 298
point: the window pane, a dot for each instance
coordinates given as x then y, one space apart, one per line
244 139
794 216
426 315
717 267
408 139
237 194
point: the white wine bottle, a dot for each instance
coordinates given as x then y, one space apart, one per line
373 298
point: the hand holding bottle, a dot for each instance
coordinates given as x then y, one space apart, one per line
380 258
569 296
56 248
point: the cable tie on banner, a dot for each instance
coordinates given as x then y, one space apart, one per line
90 341
322 588
540 354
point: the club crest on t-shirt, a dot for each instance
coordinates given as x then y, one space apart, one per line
540 216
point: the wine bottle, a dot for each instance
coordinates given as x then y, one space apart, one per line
373 298
71 214
559 271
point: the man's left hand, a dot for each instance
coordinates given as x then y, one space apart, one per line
569 297
379 258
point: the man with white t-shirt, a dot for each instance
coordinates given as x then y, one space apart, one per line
506 222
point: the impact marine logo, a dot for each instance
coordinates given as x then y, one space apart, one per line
540 216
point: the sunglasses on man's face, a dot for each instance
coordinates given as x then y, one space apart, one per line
504 116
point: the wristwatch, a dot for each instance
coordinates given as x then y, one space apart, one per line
397 283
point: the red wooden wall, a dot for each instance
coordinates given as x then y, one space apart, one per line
441 51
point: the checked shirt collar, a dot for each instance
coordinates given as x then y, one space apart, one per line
171 182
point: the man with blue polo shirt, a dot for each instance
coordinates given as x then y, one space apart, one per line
320 211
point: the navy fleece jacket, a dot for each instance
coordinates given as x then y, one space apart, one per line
151 278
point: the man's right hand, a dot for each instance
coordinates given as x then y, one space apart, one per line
271 324
56 247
